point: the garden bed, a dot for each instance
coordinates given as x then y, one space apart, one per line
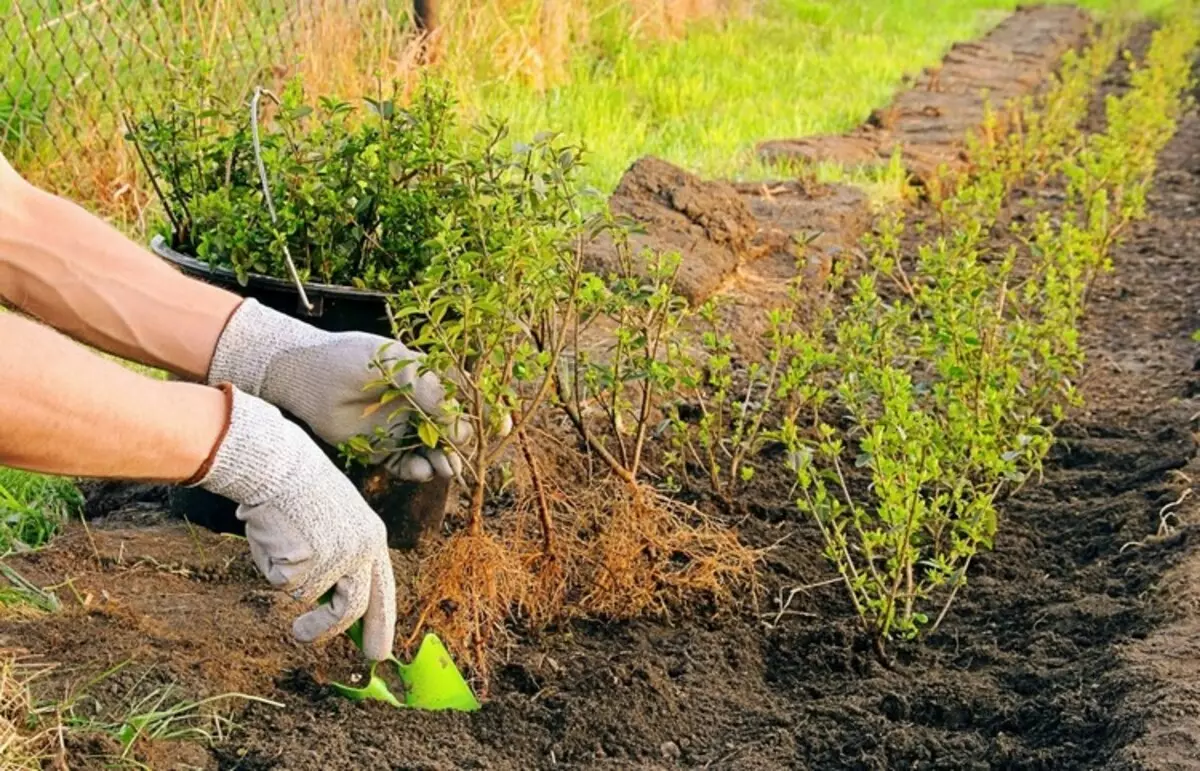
1071 647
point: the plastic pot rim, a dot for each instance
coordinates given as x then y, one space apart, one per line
158 245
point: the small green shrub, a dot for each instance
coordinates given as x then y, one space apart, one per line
504 308
359 190
503 283
628 379
492 311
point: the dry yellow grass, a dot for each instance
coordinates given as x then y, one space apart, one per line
350 48
21 747
99 170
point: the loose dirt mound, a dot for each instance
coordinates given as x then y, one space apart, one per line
929 121
742 243
806 228
677 212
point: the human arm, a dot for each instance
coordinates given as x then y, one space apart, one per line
64 410
81 276
67 411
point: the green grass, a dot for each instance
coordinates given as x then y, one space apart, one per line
33 507
798 67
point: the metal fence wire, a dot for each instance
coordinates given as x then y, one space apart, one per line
71 69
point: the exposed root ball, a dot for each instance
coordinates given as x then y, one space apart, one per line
545 530
573 544
653 553
468 590
551 576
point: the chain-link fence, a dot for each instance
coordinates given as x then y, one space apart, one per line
70 70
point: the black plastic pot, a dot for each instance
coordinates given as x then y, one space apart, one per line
411 511
335 308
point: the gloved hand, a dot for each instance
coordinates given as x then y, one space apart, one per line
320 377
308 527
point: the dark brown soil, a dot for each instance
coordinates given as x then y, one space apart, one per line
1145 378
1074 646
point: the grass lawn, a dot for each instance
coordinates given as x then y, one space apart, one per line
797 67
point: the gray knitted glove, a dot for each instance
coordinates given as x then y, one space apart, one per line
321 377
308 527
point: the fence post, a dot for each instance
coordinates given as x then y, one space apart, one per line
425 15
425 19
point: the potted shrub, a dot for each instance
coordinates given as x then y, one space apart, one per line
317 210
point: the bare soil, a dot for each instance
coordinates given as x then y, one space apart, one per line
1074 646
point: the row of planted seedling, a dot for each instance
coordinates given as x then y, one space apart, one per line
935 391
907 408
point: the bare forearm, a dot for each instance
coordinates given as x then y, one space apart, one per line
65 410
81 276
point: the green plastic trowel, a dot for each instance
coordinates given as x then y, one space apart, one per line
431 681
